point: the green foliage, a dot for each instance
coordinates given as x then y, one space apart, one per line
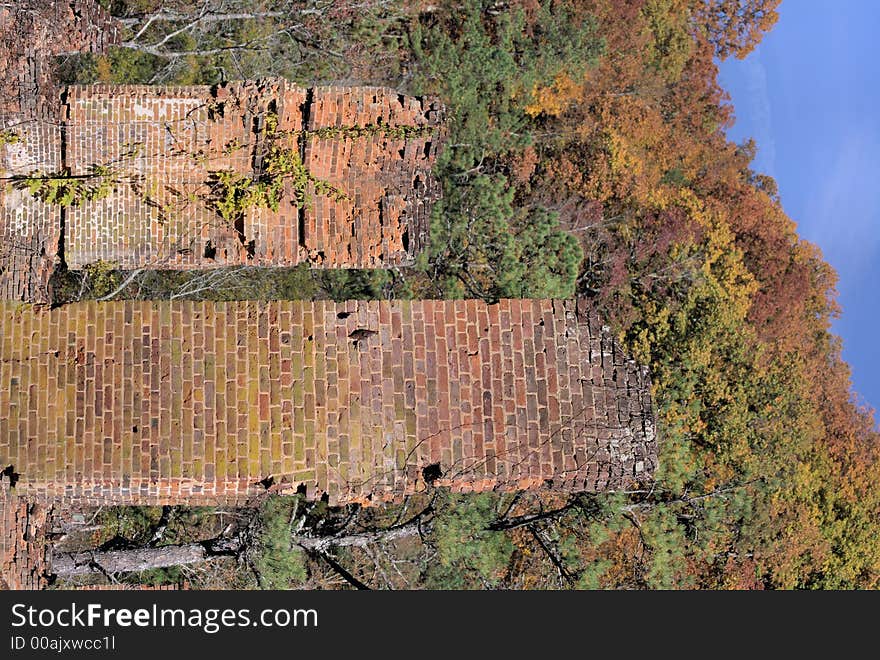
66 189
119 66
544 260
341 285
102 278
136 524
485 66
482 246
278 563
9 136
468 555
234 194
665 536
132 523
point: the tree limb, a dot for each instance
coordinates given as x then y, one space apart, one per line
71 564
358 539
348 577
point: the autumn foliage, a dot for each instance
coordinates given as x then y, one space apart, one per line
769 469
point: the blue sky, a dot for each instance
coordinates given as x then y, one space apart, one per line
810 97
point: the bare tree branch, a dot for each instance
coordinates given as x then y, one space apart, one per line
360 539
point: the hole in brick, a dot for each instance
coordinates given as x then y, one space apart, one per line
402 152
404 239
301 227
267 482
358 334
10 473
134 429
432 472
325 497
343 315
417 183
239 228
305 108
428 149
210 251
301 489
401 99
216 110
251 249
310 338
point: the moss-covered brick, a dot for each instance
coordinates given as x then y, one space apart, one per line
162 427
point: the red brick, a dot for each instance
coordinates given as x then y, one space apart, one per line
359 411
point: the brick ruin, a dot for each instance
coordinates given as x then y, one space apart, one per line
33 33
367 154
172 403
373 147
152 403
23 563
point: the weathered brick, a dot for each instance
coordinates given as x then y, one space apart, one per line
32 32
347 415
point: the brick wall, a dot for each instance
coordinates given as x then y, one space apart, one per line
22 540
157 216
29 229
186 402
160 215
32 33
385 218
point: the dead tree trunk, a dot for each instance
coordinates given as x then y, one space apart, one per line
70 564
108 562
358 539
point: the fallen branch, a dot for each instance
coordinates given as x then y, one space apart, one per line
71 564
